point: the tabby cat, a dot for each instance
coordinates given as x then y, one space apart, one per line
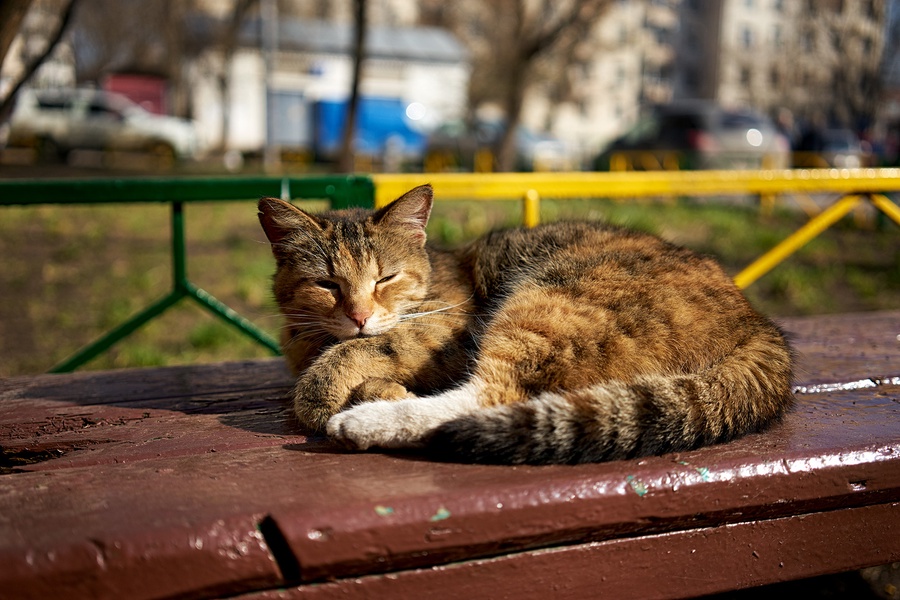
570 342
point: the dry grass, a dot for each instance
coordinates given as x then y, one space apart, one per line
71 273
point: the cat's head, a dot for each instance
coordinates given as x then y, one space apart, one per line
349 273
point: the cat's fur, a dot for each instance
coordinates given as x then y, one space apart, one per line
570 342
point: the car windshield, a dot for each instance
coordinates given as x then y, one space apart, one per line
124 105
735 120
839 140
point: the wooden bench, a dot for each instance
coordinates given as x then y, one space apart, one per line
194 482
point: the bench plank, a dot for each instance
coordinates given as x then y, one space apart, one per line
195 480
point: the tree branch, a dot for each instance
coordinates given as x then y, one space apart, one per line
31 69
581 12
12 12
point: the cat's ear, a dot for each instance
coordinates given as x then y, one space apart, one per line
278 218
409 211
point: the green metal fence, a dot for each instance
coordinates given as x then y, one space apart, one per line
341 191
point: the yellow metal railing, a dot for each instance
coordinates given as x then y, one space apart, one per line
852 186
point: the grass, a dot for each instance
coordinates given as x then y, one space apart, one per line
71 273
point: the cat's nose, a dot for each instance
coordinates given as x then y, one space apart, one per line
359 317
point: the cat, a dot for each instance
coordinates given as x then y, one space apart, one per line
570 342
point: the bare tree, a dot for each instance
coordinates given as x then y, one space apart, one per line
852 53
149 38
346 160
516 43
835 51
31 68
12 13
228 40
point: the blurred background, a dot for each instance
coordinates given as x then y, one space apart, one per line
237 85
166 88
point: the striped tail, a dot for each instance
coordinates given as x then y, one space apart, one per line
652 415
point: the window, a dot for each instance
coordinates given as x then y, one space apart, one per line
836 41
775 77
53 103
809 41
692 79
868 46
746 37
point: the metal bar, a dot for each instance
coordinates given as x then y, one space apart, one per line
179 258
230 316
343 190
796 240
353 191
512 186
204 298
884 204
103 344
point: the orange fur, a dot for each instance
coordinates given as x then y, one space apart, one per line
637 346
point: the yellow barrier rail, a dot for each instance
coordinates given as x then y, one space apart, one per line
853 187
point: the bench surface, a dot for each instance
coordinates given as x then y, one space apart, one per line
194 481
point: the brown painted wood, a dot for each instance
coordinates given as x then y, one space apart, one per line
195 481
681 564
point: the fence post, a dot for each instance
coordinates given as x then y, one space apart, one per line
353 191
531 208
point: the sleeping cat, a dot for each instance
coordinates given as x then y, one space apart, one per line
571 342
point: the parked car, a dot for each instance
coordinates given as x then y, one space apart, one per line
461 146
697 135
826 148
55 122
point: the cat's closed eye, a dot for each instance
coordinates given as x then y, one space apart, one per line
328 284
388 278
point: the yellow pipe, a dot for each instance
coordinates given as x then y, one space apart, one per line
871 183
531 208
886 206
631 184
796 240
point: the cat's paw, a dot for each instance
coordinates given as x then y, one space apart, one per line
378 389
383 424
399 423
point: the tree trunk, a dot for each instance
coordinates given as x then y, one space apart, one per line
12 12
506 153
229 43
346 160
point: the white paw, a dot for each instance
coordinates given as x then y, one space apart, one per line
400 423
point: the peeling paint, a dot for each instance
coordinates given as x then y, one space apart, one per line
638 486
703 471
441 514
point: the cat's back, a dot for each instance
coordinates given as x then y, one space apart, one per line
568 253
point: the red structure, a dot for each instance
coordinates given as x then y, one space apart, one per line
150 91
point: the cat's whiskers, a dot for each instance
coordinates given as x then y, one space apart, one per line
437 312
318 337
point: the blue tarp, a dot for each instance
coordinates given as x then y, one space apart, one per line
378 120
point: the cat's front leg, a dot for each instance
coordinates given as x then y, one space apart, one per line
348 373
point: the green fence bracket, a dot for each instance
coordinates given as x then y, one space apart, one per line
340 191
